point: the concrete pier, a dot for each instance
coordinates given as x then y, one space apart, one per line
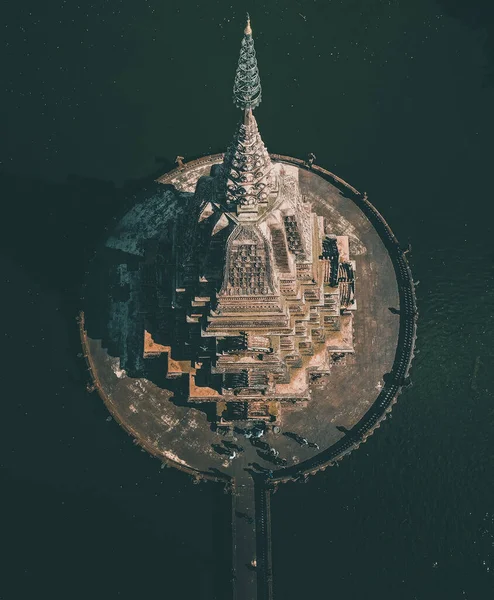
263 529
251 537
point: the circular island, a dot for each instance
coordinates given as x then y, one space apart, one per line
346 403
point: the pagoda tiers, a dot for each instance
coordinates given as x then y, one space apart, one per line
247 170
262 294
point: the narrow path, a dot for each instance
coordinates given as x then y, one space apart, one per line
263 525
252 537
244 535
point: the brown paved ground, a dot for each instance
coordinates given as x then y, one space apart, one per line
183 434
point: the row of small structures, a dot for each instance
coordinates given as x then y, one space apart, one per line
394 382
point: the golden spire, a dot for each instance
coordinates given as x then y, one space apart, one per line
248 30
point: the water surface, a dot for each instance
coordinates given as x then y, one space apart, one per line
394 96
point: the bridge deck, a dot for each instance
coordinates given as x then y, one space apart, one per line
252 538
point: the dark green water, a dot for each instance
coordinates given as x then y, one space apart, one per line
394 96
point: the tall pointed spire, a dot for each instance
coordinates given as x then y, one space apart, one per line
247 85
247 168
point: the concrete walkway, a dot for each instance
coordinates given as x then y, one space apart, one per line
244 532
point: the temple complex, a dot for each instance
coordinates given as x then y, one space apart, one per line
220 323
260 293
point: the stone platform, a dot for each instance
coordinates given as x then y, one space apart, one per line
182 435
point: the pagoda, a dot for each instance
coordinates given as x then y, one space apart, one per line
259 294
222 309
